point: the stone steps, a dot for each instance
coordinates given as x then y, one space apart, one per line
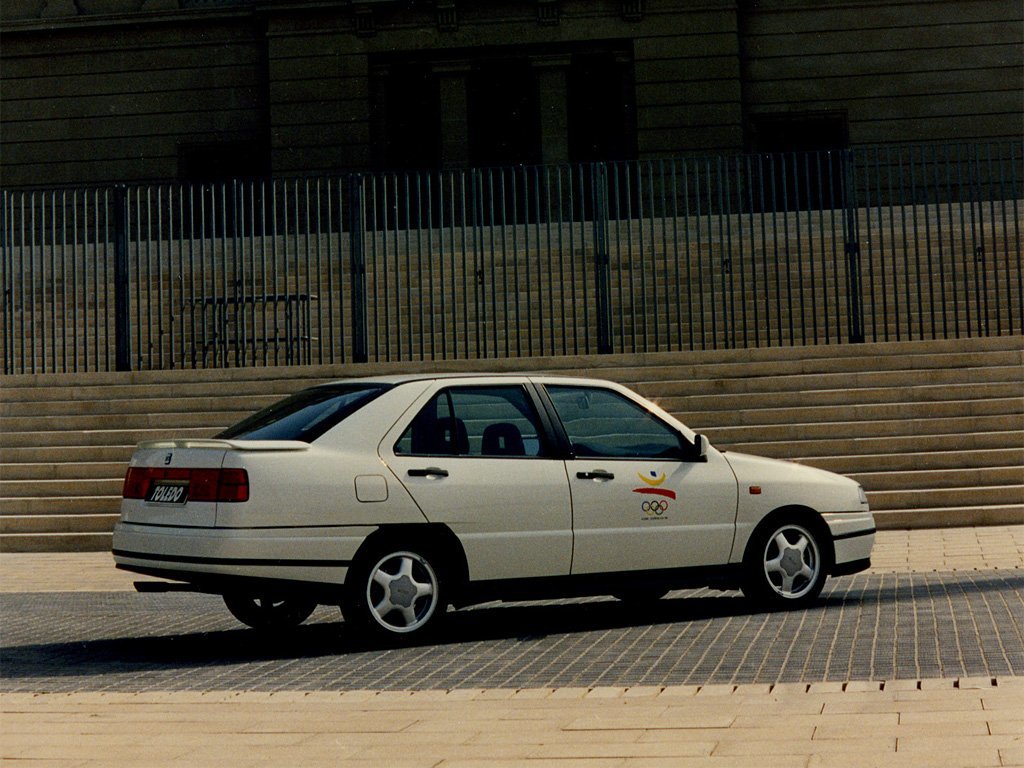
59 541
63 488
128 421
925 393
925 498
56 455
68 470
943 478
845 380
934 430
835 414
840 445
98 437
794 434
951 517
63 505
86 523
909 462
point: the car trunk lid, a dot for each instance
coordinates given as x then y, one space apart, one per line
179 482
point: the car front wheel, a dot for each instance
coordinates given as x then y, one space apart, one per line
394 594
269 612
785 564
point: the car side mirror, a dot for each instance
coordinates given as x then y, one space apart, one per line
698 449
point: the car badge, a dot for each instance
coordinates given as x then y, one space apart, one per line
651 482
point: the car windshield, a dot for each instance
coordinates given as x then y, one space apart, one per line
305 416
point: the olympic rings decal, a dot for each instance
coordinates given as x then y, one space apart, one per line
655 507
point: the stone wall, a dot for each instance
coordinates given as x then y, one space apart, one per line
129 90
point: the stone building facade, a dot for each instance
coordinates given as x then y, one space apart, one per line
100 91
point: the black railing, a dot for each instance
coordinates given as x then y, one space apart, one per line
889 243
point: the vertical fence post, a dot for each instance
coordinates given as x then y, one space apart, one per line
122 309
7 272
854 292
602 259
356 220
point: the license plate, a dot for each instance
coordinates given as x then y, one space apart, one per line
168 494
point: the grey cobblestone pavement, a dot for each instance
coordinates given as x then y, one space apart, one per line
873 626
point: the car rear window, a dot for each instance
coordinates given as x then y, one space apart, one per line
306 415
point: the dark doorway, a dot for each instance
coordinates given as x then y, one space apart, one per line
408 117
601 108
504 117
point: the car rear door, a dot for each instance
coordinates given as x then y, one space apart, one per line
636 504
475 456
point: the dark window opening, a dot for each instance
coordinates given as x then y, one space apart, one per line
503 133
208 169
504 116
502 105
219 161
801 163
799 132
601 108
407 113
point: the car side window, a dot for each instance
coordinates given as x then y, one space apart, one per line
600 422
486 421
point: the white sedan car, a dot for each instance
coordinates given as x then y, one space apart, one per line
398 496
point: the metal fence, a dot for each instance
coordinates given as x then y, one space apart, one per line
888 243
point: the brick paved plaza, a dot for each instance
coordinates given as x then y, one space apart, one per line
919 661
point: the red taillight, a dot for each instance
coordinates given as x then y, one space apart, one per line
203 484
136 483
234 485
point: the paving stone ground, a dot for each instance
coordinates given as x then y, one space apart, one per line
919 661
867 627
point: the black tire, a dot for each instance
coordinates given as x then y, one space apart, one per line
786 563
269 612
394 592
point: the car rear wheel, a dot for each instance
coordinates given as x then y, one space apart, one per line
396 593
785 564
269 612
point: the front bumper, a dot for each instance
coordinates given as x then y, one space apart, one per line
853 537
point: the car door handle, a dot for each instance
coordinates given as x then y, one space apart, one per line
428 472
597 474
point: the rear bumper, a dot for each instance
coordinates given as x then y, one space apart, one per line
212 556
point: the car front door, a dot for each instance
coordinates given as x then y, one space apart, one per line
637 503
477 458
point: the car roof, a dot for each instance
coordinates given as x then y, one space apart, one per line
405 378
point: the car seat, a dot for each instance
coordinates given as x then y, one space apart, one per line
502 439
